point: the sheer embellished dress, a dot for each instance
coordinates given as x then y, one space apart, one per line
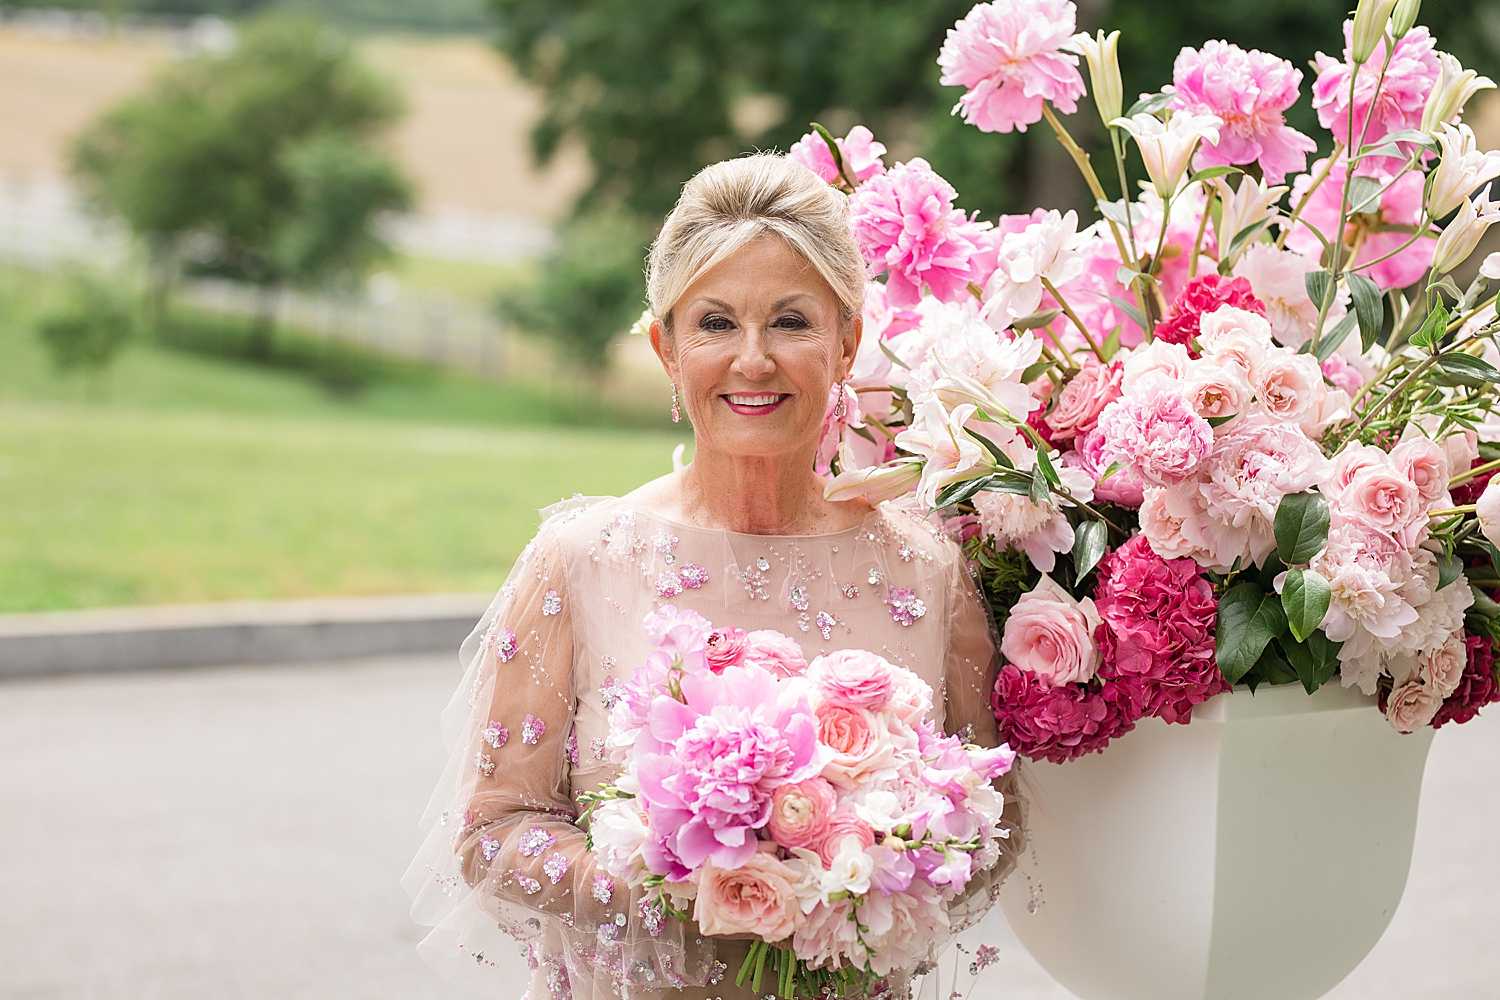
527 727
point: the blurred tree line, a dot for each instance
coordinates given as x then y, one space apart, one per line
426 15
654 90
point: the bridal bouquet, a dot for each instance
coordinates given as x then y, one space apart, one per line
1237 428
812 807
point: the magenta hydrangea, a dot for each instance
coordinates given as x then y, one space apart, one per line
1008 55
860 151
1057 724
1250 91
905 225
1382 104
1157 634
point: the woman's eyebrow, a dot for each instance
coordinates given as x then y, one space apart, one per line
783 303
716 303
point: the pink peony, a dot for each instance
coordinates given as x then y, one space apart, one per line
1008 54
725 648
1400 205
1158 434
1084 397
708 765
1381 105
1479 686
830 936
1205 294
1125 486
882 321
800 812
841 827
1157 635
853 678
1057 724
904 224
1278 279
860 151
1051 636
1250 92
770 650
1254 464
756 897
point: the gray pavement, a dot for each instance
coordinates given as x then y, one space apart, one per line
238 833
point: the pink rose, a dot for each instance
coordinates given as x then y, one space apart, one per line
1386 497
1342 374
854 678
1084 398
1351 461
1215 392
1444 667
1411 706
770 650
1050 635
840 827
1425 463
801 812
911 699
1153 362
726 648
756 898
861 743
1286 385
845 731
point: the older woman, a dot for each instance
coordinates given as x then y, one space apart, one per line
757 289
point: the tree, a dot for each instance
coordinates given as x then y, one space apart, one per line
87 332
256 165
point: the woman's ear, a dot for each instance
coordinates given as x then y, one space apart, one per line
661 343
850 344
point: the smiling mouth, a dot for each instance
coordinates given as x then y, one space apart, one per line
754 403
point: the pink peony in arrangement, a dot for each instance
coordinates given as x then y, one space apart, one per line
1186 444
772 801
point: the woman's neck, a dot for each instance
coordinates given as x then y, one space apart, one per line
759 496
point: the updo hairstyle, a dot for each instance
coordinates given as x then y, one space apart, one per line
730 204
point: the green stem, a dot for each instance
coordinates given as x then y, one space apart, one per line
1062 304
1291 222
1466 508
1478 470
1202 228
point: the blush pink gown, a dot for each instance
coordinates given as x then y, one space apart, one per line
526 729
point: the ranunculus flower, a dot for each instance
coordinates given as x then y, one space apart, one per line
905 225
725 648
1158 432
853 678
1051 634
1009 55
770 650
842 827
1249 92
1158 362
1205 294
754 898
1235 338
860 151
800 812
1078 406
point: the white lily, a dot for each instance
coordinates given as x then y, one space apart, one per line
1253 203
1454 88
876 484
1464 232
1102 53
949 454
1167 149
1370 19
1462 169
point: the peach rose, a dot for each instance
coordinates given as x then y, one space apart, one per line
860 741
775 652
1287 385
1084 397
1444 667
1215 392
800 812
1051 635
1411 706
756 898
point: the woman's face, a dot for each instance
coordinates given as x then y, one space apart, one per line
756 347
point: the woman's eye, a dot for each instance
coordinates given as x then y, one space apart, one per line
717 324
791 323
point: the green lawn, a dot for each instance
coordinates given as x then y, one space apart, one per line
201 478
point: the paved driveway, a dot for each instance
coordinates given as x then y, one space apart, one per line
239 833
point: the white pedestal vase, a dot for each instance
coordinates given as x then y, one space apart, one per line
1256 854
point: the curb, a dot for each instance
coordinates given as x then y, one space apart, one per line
246 632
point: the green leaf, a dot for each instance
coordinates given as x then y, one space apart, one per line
1405 135
1301 527
993 448
1248 619
1044 462
1121 213
1369 306
1210 173
1316 660
956 493
1304 598
1449 568
1363 192
1033 320
1033 372
1433 327
1111 470
1318 285
1149 105
1469 366
1218 421
835 152
1089 540
1330 341
1039 493
1111 345
892 355
1129 309
1242 237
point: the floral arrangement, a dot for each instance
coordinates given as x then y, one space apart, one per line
814 808
1236 429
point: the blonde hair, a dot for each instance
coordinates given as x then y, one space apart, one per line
730 204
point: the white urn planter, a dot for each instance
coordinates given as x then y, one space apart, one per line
1256 854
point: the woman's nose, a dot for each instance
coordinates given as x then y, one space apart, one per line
754 360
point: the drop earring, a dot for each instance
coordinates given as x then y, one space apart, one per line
676 411
842 406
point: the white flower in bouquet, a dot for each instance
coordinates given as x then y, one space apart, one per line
938 437
1454 87
619 831
1102 53
1168 148
1046 250
1460 171
1158 360
1039 530
1488 512
1252 203
1463 234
